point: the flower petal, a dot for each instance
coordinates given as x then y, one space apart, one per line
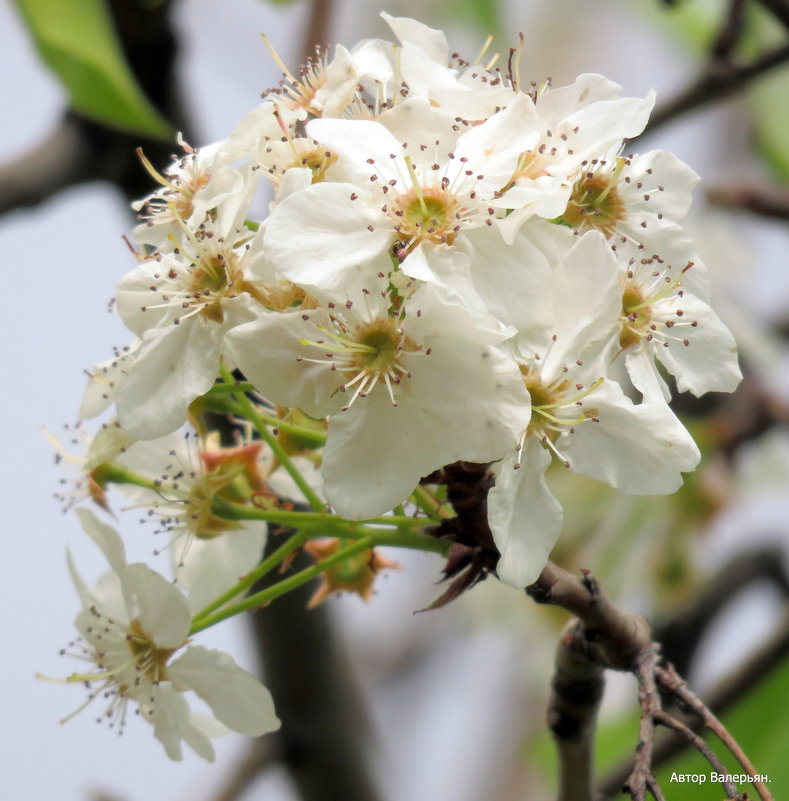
524 516
235 696
641 449
158 604
105 536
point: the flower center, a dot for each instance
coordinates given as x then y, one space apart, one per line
557 407
595 203
379 344
149 659
427 214
636 319
317 161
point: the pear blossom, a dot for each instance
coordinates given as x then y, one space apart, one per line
415 379
209 553
131 626
412 201
180 304
663 320
578 415
577 123
638 199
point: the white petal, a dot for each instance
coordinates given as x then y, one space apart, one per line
171 724
356 142
554 105
432 41
316 236
587 298
463 401
176 365
641 449
512 280
235 696
110 441
161 608
493 148
267 350
646 378
106 537
524 516
709 362
206 568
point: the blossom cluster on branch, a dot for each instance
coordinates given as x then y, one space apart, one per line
456 265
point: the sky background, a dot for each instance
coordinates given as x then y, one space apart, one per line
62 261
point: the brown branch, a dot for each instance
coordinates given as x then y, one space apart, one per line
672 682
317 31
641 779
693 739
717 82
779 9
577 690
766 201
731 31
606 636
726 693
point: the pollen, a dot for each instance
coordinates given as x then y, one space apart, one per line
595 204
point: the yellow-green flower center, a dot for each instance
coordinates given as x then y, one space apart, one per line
427 214
636 319
595 203
380 343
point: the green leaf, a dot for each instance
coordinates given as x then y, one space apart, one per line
485 14
76 39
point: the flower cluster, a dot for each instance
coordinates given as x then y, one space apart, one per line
455 266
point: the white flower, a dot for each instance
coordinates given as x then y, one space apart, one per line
578 124
180 304
663 319
639 199
414 381
199 182
209 553
418 197
579 415
132 625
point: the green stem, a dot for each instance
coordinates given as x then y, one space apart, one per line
111 473
247 408
428 504
312 435
266 566
227 389
280 588
237 511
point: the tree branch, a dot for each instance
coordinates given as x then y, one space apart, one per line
717 82
731 31
577 690
606 636
729 690
771 202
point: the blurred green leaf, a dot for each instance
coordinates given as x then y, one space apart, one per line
769 96
76 39
485 14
